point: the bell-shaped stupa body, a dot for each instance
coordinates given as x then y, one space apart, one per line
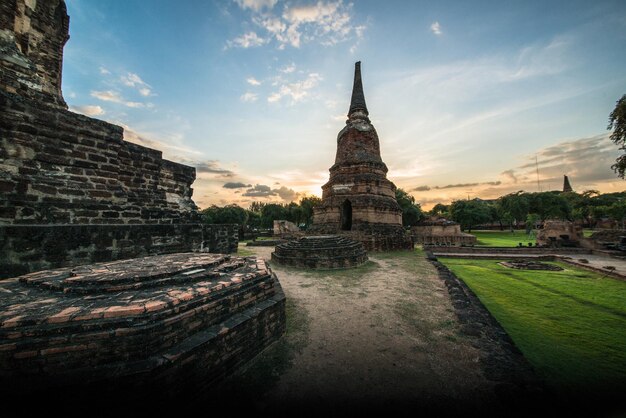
358 197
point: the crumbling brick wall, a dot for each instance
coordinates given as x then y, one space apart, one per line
61 172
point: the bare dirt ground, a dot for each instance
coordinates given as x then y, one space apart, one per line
383 335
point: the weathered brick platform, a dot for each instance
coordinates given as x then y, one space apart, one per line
158 325
321 252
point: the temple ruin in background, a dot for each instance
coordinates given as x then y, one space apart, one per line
567 187
358 199
72 190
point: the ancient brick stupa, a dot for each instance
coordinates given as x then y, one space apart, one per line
359 200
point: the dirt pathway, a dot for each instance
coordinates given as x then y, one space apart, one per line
382 335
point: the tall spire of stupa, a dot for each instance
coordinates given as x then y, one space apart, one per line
358 98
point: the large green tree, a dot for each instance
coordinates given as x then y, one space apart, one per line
469 213
440 210
231 214
411 211
617 122
513 208
307 204
549 205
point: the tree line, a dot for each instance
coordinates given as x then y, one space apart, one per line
520 209
514 210
261 215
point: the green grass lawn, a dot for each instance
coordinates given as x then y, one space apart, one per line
504 238
570 324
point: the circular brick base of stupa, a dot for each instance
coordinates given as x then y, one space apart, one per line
321 252
164 322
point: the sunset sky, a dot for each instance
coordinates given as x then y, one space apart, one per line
465 95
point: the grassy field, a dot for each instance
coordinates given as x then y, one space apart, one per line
503 238
570 324
509 239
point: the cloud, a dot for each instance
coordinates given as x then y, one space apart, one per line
104 71
288 68
115 97
584 160
169 145
510 174
212 167
297 91
325 22
256 5
89 110
288 195
253 81
247 40
455 186
435 28
235 185
249 97
261 190
133 80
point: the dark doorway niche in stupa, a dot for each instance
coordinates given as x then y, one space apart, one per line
346 216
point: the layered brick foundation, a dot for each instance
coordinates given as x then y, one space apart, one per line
160 323
321 252
28 248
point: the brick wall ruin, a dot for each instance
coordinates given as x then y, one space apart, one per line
62 174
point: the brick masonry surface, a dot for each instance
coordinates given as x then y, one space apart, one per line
27 248
72 190
163 322
321 252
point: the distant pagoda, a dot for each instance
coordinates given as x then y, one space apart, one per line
566 186
358 199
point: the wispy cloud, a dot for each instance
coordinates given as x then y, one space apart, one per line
456 186
256 5
261 190
235 185
435 28
115 97
253 81
88 110
287 69
297 91
249 97
586 161
133 80
170 148
247 40
325 22
213 167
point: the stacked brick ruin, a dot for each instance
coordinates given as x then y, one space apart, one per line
72 190
358 199
321 252
440 231
158 326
